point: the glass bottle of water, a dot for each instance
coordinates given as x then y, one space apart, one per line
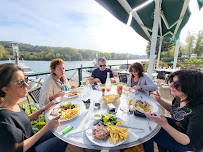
108 84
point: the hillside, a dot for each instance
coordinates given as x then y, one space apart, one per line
30 52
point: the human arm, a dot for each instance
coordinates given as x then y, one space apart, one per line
59 94
32 140
166 105
13 138
177 135
37 113
146 84
49 91
113 80
92 80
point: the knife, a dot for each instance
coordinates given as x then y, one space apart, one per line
130 127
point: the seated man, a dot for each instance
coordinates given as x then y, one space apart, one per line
99 75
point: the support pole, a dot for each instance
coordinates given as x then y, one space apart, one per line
80 75
176 53
154 37
160 44
16 58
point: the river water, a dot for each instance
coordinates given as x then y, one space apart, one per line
43 66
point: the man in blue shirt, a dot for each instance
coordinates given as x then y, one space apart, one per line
99 75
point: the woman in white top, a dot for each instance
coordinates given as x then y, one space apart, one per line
139 80
55 84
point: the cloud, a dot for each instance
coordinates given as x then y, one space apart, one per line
79 24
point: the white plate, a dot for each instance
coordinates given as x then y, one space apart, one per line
57 106
90 136
73 96
153 106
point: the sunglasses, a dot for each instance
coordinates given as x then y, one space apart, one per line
176 84
133 71
21 83
102 65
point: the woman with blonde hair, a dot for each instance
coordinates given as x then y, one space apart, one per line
55 84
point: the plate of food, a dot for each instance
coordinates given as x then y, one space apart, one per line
146 106
66 111
110 98
108 135
71 94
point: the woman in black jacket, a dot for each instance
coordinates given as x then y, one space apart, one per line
184 130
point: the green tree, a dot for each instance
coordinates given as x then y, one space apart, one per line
199 44
166 47
190 39
58 55
77 57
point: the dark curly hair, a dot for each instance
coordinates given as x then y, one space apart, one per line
191 83
136 66
7 71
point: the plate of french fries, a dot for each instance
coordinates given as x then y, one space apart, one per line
118 135
66 111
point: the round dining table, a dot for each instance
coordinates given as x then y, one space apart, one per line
86 117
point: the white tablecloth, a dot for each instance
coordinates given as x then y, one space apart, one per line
85 117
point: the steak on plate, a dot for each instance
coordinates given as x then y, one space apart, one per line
100 132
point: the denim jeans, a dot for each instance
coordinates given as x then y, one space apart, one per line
163 139
50 143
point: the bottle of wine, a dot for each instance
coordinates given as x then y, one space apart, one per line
108 84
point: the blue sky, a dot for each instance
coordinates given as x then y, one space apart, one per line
81 24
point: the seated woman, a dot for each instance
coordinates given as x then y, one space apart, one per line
183 131
16 132
55 84
139 80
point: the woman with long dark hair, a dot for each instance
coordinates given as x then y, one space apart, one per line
139 80
16 132
183 131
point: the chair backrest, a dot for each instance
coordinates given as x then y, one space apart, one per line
35 94
123 77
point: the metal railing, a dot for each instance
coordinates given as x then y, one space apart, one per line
80 70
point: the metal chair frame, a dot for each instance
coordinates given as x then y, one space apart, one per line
34 94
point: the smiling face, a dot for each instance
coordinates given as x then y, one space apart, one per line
17 87
176 88
59 70
102 65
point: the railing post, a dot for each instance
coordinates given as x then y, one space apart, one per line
80 75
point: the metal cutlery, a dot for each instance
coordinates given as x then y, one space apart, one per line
92 127
150 128
130 127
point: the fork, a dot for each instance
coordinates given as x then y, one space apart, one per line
150 128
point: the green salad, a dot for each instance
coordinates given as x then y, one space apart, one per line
108 119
